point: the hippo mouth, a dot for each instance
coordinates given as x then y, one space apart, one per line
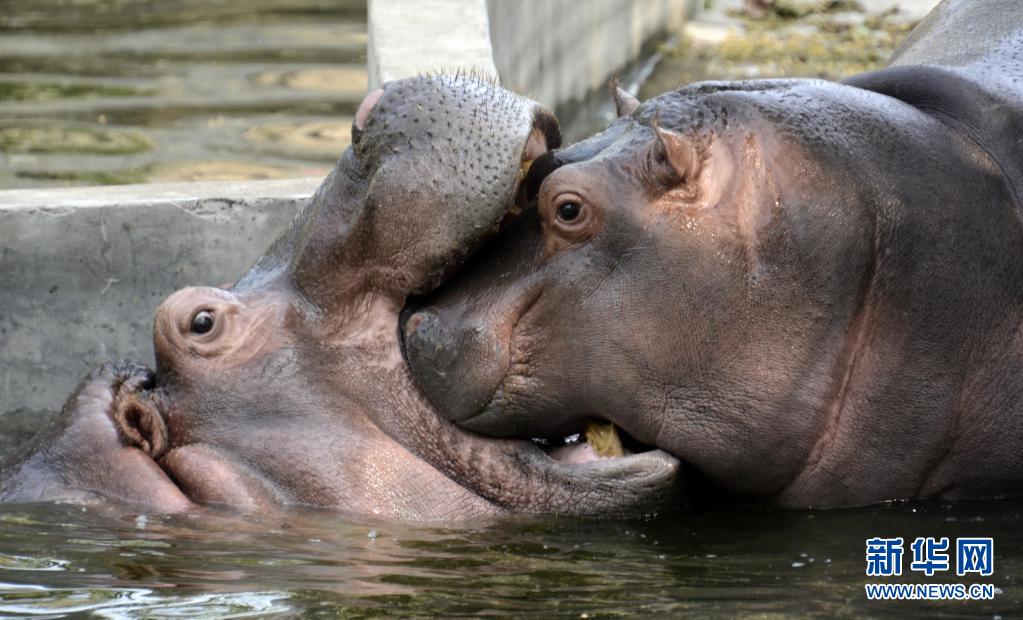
197 473
608 471
596 441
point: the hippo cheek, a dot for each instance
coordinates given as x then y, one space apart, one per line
209 476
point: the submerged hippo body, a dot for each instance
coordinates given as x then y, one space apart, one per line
808 291
289 386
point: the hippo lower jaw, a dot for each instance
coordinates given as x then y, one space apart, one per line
518 476
208 476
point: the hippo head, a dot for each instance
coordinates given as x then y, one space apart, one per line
699 274
289 387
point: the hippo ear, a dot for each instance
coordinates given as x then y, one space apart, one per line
362 114
673 160
625 104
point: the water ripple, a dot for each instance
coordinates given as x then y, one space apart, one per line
33 600
20 562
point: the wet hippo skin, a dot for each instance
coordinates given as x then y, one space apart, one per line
810 292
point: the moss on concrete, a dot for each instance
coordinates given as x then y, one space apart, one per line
57 139
830 40
46 91
113 177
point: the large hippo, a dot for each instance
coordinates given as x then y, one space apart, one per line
811 292
289 386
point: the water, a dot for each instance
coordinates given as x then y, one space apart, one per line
121 91
715 562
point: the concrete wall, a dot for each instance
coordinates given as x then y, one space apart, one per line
560 51
407 38
554 51
82 270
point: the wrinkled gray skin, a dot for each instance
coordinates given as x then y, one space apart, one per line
295 390
811 292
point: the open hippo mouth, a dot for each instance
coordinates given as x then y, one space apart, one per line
290 387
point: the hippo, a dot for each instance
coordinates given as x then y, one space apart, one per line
289 388
810 292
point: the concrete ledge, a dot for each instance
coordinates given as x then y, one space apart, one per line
83 270
152 193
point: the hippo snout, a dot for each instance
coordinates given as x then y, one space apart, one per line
440 358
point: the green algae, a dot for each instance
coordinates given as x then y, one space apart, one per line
58 139
828 40
50 91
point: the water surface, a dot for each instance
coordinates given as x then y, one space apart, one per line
122 91
715 562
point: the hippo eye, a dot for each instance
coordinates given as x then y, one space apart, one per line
568 211
202 322
568 219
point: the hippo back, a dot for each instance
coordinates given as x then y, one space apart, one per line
977 35
964 66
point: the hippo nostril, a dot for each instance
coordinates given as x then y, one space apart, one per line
423 335
202 322
456 370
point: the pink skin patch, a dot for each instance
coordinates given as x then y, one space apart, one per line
574 454
578 453
366 107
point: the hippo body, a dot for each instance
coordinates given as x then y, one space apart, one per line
289 388
810 292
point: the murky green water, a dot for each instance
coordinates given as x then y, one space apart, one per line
120 91
724 562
